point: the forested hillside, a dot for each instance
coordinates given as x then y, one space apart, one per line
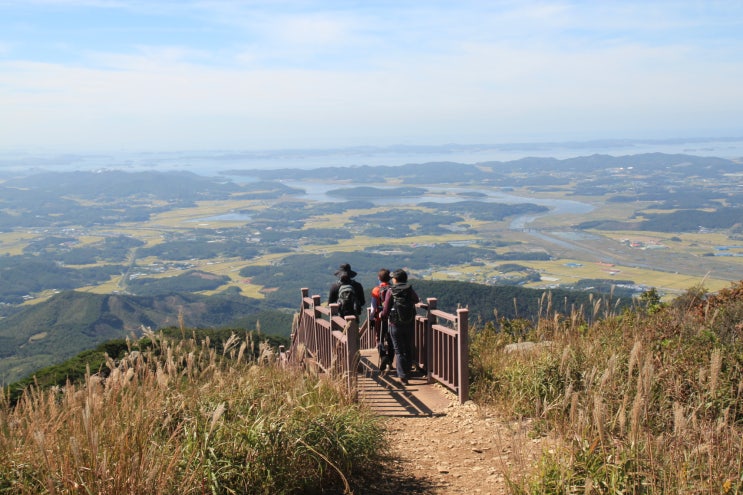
70 322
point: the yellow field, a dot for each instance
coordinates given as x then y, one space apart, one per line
12 243
565 271
149 235
703 241
618 211
191 217
85 240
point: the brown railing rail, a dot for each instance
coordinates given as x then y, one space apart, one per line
442 347
332 344
323 339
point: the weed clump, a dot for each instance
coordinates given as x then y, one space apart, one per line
647 400
176 416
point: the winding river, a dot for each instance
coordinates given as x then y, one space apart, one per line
317 191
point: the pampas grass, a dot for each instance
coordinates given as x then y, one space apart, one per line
647 402
178 417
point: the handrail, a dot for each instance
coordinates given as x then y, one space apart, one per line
323 339
442 345
332 344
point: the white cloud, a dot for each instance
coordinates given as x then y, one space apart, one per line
301 74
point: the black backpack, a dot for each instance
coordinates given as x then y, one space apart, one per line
347 303
403 308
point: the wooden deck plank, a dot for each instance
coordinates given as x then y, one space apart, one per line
387 396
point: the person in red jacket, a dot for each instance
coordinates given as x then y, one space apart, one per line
381 331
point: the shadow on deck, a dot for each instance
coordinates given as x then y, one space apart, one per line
388 397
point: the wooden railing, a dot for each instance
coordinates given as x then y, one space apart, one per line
331 344
323 340
441 347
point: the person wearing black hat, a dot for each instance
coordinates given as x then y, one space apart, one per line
346 280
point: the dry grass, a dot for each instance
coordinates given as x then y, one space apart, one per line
646 401
181 417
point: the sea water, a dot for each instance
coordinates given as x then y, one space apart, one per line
220 163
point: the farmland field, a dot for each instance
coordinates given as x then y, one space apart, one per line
587 224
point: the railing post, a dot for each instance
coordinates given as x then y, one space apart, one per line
366 331
463 354
428 338
297 331
353 354
303 305
314 343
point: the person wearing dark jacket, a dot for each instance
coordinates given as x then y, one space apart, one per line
346 276
381 332
400 300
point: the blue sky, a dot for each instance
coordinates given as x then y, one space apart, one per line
158 75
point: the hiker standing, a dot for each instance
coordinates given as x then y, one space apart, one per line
399 309
347 292
381 331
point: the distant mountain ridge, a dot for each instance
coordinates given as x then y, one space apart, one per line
447 171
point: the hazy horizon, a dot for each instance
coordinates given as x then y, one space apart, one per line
211 162
96 75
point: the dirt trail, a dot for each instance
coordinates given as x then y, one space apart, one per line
465 449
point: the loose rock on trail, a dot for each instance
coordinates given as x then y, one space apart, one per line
461 449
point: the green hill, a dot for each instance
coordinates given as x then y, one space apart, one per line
70 322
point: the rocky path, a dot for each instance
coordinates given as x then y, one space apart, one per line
463 449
